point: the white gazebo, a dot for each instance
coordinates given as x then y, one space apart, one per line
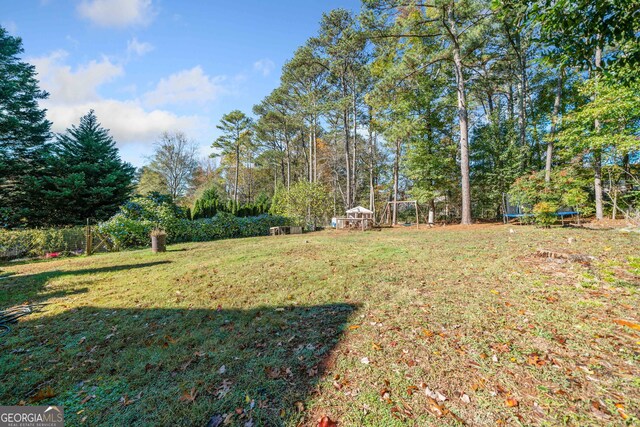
356 218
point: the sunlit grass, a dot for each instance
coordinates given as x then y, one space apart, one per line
468 313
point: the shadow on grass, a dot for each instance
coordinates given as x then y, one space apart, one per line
19 289
173 366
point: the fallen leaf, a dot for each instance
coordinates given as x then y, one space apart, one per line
353 327
465 398
620 407
313 371
43 393
189 396
326 422
411 389
600 410
125 401
435 408
273 373
628 324
364 360
430 394
511 403
376 346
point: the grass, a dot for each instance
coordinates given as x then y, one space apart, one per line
360 327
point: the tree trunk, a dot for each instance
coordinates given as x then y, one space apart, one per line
597 154
347 156
310 155
463 120
315 151
354 191
554 126
396 175
288 167
372 154
522 106
235 188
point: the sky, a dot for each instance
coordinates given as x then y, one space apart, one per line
148 66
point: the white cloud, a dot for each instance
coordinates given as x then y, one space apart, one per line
264 66
117 13
73 92
134 47
128 121
186 86
68 86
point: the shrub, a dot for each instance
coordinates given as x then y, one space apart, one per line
126 233
566 189
545 213
306 203
39 242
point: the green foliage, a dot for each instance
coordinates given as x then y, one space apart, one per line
87 178
306 203
545 213
567 189
496 158
209 204
39 242
125 232
617 109
236 130
138 217
24 131
150 181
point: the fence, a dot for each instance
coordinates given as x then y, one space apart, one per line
51 242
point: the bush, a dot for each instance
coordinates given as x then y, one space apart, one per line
566 189
308 204
545 213
126 233
39 242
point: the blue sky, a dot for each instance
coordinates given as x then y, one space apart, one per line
147 66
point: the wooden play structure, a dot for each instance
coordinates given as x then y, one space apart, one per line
387 213
282 230
357 218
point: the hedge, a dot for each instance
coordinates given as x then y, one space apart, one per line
40 242
125 232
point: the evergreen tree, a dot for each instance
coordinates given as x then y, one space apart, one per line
89 178
235 139
24 132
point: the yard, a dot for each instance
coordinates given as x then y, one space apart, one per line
445 326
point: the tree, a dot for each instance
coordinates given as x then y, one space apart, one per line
236 137
89 180
306 203
459 27
150 181
600 36
24 132
175 160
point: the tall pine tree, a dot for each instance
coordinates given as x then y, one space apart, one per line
24 132
89 180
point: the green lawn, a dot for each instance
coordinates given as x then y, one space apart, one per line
360 327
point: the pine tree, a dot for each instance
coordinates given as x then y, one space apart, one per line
89 180
236 137
24 132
